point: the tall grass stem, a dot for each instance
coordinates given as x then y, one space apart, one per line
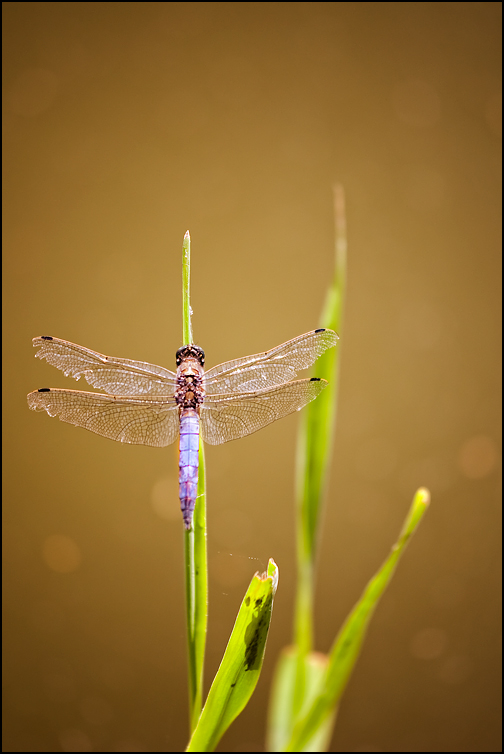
195 540
314 452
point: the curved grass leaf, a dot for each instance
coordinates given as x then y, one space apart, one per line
241 665
346 648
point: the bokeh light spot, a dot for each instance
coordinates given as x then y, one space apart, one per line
428 643
61 553
477 457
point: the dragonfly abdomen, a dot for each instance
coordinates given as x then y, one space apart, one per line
188 463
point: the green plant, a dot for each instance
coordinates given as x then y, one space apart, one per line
241 665
307 685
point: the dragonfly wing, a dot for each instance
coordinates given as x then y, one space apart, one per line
139 421
115 376
274 367
228 417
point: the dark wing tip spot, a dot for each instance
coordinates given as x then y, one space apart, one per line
315 379
44 390
46 337
321 329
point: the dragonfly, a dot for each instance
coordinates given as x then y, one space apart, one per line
145 404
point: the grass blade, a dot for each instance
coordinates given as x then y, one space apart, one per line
196 581
195 541
347 645
315 443
314 451
241 665
187 335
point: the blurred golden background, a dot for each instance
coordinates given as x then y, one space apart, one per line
125 124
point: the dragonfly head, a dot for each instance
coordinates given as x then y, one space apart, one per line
190 352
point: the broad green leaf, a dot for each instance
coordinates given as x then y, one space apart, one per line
347 645
241 665
281 722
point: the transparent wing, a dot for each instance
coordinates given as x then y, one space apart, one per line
139 421
228 417
274 367
115 376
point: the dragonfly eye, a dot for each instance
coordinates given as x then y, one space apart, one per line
190 352
198 353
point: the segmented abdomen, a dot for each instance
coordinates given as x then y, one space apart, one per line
188 463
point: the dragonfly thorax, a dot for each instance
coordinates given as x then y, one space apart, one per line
189 392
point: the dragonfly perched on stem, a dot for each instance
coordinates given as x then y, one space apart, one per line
147 404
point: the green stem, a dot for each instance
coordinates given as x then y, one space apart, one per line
195 553
313 460
187 336
305 481
303 610
195 545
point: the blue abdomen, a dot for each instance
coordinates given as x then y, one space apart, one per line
188 463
